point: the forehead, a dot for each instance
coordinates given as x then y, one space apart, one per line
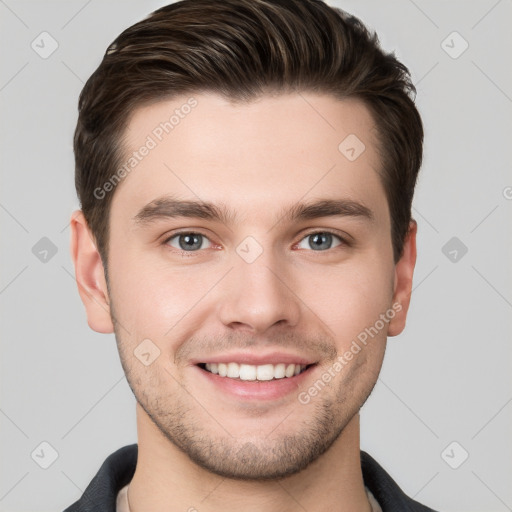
296 119
271 151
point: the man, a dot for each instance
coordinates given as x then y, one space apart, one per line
246 170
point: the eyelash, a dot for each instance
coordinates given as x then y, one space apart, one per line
343 241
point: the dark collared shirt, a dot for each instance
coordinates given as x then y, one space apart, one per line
119 468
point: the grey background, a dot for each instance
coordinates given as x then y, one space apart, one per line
446 378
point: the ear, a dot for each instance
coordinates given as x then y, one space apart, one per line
404 270
90 275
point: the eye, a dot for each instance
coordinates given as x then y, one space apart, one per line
189 241
320 241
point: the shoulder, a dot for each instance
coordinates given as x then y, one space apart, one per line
385 490
115 473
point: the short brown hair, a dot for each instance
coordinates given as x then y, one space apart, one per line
242 49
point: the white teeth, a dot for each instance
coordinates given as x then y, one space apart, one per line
233 370
279 370
266 372
290 370
223 369
252 372
247 372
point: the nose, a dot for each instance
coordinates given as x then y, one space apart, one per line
259 295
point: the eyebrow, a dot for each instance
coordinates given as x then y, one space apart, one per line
167 207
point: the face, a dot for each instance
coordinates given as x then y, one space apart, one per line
247 247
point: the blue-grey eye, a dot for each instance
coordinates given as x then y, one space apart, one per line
320 241
189 241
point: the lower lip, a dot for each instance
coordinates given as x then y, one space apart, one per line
257 389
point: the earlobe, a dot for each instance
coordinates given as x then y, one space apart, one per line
90 275
404 270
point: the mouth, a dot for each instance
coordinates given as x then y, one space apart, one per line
249 372
256 383
254 377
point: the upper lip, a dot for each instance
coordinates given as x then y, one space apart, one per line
256 359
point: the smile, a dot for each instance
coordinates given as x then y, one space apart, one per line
248 372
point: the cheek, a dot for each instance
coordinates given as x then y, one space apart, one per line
155 301
348 299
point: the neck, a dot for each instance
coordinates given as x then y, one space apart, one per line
166 479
